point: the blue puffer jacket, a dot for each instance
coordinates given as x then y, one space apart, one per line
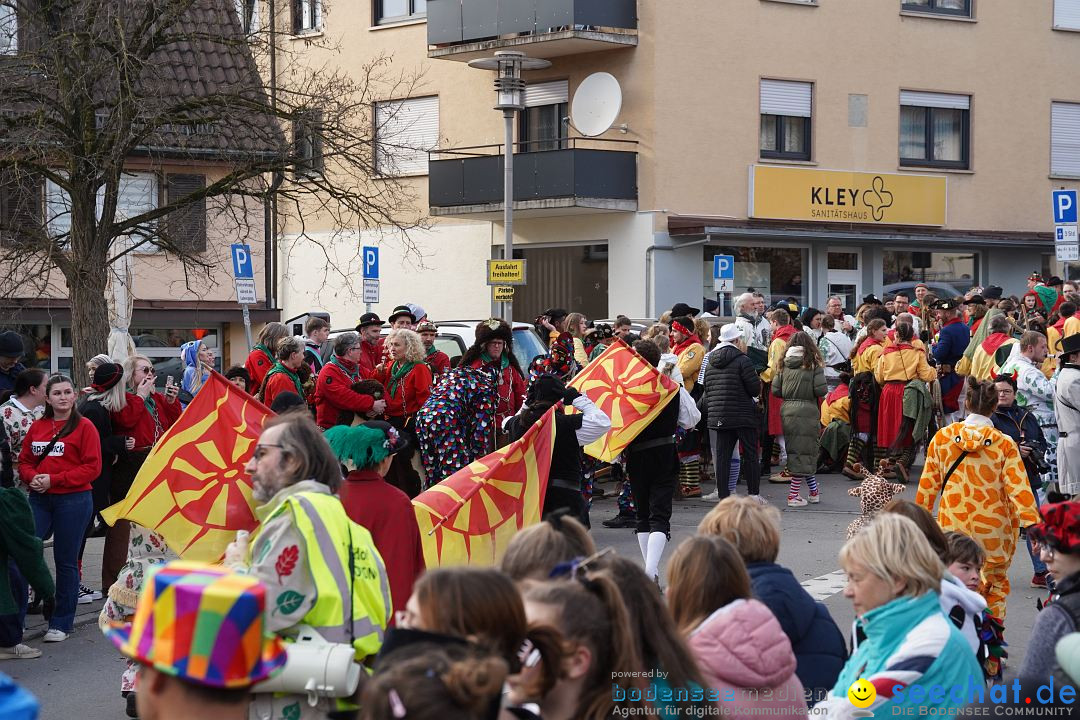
819 645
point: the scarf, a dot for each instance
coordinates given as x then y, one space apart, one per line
266 351
504 361
398 371
685 344
278 369
151 406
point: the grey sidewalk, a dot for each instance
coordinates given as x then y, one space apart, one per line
91 570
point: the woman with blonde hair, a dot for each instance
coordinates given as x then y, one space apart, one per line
740 647
261 357
535 551
659 333
800 383
754 530
407 380
893 581
577 325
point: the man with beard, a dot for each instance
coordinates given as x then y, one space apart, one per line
309 554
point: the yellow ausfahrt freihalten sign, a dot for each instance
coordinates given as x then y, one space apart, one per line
506 272
787 193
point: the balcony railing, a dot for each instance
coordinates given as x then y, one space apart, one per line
457 28
570 173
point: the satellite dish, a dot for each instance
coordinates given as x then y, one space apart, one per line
596 104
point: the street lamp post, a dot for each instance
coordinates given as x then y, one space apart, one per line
510 97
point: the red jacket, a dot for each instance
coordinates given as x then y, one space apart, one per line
370 357
279 383
136 421
410 394
388 515
258 363
438 361
74 461
334 393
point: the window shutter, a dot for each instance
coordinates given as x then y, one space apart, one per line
1065 139
780 97
186 227
406 130
1067 14
298 16
935 100
549 93
20 207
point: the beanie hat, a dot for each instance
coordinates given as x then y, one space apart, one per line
11 344
106 376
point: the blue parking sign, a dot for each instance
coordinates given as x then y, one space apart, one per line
1064 207
371 262
723 267
241 262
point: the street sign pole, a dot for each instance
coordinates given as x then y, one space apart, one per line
244 277
247 326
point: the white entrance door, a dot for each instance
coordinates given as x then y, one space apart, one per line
845 276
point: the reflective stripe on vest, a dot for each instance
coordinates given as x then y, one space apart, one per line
322 523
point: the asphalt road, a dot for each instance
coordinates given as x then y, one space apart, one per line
80 678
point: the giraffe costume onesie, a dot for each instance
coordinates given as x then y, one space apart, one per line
987 496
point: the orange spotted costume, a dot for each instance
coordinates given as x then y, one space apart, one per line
987 496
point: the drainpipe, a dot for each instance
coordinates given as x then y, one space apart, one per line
270 209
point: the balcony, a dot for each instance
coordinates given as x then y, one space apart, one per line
577 175
467 29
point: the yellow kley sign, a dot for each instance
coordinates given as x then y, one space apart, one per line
787 193
506 272
502 293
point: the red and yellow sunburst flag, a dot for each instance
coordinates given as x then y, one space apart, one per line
192 488
630 390
469 518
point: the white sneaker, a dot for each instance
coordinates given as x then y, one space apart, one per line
54 635
714 496
815 497
758 499
796 502
86 595
19 652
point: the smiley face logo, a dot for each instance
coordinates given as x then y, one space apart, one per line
861 693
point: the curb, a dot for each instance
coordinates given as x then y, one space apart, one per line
81 619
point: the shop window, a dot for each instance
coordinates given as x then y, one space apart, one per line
961 8
934 129
785 119
948 274
160 345
390 11
777 273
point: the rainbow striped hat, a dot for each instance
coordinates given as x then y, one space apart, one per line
203 624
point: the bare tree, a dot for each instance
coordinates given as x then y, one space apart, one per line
90 89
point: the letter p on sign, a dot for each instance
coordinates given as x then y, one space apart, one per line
1064 207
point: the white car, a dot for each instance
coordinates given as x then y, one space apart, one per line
457 336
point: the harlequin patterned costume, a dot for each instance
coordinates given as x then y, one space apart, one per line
987 496
456 423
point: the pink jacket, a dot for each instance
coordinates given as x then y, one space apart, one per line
747 658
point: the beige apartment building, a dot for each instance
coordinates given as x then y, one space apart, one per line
832 147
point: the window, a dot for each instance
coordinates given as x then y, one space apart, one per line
541 125
388 11
9 30
1067 14
934 129
137 193
308 143
20 205
1065 139
248 12
185 227
777 273
943 7
947 274
785 119
405 130
160 344
307 16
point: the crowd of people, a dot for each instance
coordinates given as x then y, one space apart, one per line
986 386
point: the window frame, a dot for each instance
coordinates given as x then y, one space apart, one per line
781 121
524 127
965 140
933 9
379 18
248 25
54 194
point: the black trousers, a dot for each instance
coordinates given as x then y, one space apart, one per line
653 475
723 446
558 498
402 474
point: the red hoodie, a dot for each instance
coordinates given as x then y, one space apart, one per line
74 461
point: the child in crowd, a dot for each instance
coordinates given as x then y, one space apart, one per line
964 559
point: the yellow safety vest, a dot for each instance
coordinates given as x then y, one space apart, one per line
329 536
